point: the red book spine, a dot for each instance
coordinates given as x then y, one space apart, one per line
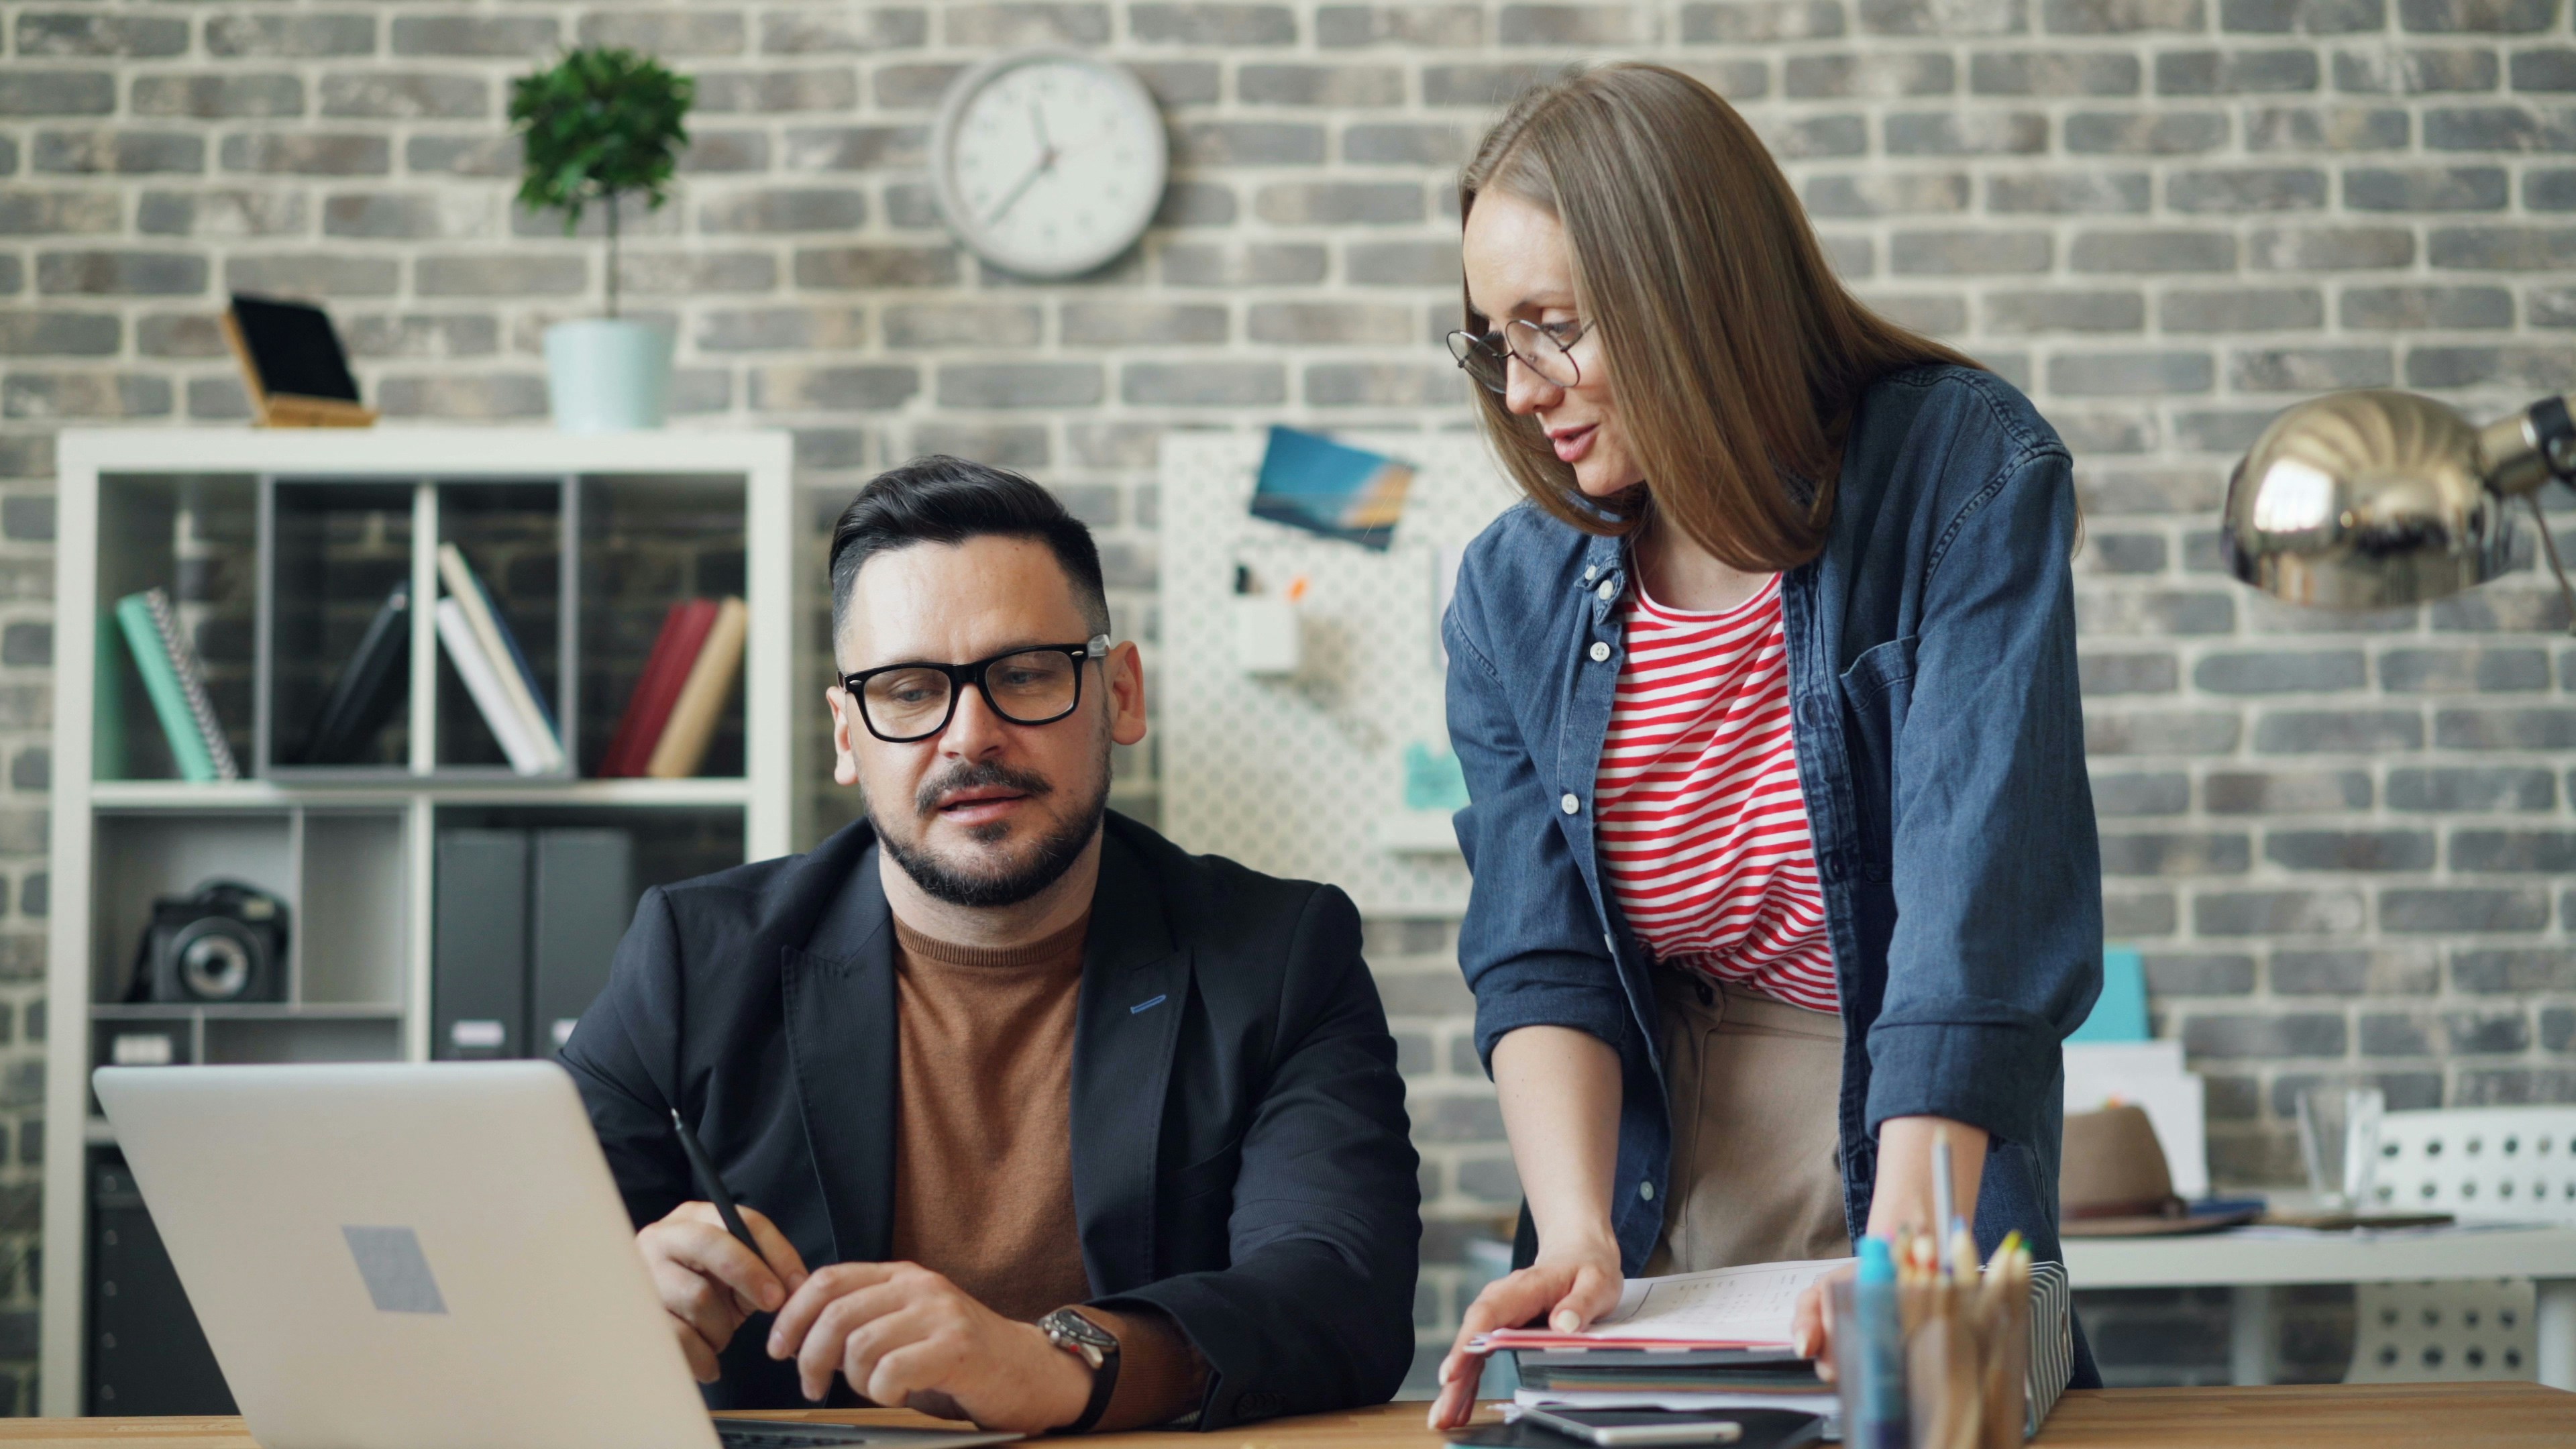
666 668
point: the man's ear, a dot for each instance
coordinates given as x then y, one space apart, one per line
1125 667
845 760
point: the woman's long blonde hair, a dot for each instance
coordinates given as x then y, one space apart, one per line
1736 356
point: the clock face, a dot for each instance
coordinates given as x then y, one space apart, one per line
1048 163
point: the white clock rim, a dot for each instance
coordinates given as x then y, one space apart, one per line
943 136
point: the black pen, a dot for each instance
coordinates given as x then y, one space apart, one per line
713 1186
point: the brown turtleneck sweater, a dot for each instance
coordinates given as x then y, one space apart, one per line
983 1159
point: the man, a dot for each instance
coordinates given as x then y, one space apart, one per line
994 1052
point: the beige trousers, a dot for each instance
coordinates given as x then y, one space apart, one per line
1756 1170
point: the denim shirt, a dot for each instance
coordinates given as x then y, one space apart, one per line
1940 747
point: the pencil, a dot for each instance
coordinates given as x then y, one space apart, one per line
704 1170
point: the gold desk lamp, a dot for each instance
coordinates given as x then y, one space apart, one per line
2379 499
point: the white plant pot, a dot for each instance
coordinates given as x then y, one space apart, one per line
608 374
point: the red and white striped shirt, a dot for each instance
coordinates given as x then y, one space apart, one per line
1702 828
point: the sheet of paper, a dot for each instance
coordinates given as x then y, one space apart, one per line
1683 1399
1749 1306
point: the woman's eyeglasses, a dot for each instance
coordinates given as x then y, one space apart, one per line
1545 348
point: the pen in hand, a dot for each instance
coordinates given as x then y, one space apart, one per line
713 1186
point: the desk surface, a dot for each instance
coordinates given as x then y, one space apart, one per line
2396 1416
2241 1257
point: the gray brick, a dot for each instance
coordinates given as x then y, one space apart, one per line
2362 971
2534 728
1762 22
2549 190
2492 611
2557 1028
1244 264
2160 732
2463 788
2053 73
1810 137
191 334
2484 669
2353 731
59 334
2147 133
1131 324
2124 553
2350 849
395 95
1185 203
2235 72
677 32
2155 611
2103 675
25 211
1203 384
2129 374
310 274
1342 86
213 96
120 273
2491 1032
2515 1086
2309 369
2425 188
2551 68
69 396
2416 308
2020 311
505 37
2148 792
2327 128
771 92
1339 203
1437 27
1250 143
1012 445
2280 672
839 30
2498 128
1391 385
2129 917
2285 792
95 153
2188 853
1404 143
800 387
1739 79
2446 909
2290 1034
1587 24
1874 76
307 153
695 273
1868 194
25 92
2081 192
2515 971
870 267
914 87
1212 24
2553 851
1946 18
419 335
130 36
1934 315
2142 252
1975 133
488 275
1968 252
781 209
2247 189
410 215
2492 17
2391 71
1019 384
998 26
1329 323
2241 309
291 35
2328 248
2302 17
783 329
963 324
2396 1034
2196 975
479 397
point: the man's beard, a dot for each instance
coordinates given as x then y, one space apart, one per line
1051 856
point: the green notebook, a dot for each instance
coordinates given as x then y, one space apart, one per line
134 615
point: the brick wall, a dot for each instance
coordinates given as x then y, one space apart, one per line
2344 845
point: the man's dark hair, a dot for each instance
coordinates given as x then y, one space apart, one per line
940 499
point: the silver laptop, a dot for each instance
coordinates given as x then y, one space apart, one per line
420 1257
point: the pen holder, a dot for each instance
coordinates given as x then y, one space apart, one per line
1960 1360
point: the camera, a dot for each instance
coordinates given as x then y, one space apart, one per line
225 943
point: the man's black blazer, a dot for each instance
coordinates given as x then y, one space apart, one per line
1241 1158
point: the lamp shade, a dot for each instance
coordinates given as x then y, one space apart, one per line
2364 500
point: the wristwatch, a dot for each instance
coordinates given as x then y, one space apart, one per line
1095 1346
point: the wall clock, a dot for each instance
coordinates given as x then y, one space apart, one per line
1047 163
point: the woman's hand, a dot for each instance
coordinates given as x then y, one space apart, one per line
1811 1330
1568 1290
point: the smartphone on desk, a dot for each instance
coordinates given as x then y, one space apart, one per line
1624 1428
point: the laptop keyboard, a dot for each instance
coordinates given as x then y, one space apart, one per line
797 1434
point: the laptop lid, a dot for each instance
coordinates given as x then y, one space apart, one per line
407 1256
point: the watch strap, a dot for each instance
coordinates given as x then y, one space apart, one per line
1104 1375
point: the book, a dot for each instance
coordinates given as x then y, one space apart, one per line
368 686
177 685
683 746
666 668
483 682
501 650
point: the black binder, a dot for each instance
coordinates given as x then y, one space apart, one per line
479 946
584 894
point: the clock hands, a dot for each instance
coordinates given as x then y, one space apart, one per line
1046 162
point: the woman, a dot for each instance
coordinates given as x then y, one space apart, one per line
1783 850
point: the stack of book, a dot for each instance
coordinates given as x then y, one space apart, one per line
671 716
487 657
1715 1340
176 683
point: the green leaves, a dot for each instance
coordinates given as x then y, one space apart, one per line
600 123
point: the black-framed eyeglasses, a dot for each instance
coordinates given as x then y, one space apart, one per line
901 703
1546 348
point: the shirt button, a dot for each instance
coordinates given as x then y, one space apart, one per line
1600 651
1592 573
1646 1190
1608 590
1569 804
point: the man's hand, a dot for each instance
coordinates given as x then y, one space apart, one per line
903 1335
1569 1291
710 1283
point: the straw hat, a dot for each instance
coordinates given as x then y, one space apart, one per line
2113 1182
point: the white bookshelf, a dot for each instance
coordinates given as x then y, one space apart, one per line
352 849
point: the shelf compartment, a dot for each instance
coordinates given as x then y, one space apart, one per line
194 537
327 1038
352 930
513 534
140 858
647 541
337 549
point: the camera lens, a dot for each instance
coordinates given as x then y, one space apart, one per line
214 962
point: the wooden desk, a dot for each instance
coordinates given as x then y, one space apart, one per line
2333 1416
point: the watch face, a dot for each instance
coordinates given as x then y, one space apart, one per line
1049 164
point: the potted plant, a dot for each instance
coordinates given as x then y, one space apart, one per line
601 124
